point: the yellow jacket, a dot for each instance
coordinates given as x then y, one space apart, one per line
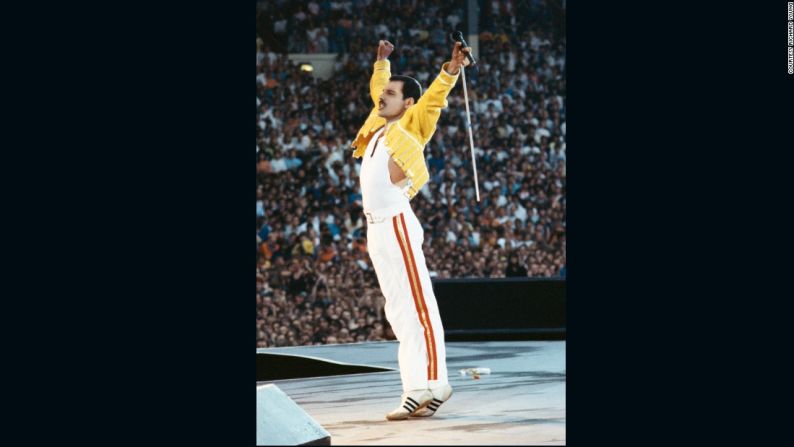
406 138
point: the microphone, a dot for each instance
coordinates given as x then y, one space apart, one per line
458 37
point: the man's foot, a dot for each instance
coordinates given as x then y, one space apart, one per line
440 395
411 402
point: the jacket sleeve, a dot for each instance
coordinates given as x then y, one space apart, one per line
428 108
380 77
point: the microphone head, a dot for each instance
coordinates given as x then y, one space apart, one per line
458 36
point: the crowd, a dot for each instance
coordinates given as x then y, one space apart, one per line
350 25
315 283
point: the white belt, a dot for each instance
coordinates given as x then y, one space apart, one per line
383 214
374 219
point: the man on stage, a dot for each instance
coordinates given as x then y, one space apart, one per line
393 170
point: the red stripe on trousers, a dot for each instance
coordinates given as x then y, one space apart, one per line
430 351
422 300
429 327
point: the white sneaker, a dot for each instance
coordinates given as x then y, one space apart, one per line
411 402
440 395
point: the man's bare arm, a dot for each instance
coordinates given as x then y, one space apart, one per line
396 174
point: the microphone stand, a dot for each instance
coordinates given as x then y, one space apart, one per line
471 138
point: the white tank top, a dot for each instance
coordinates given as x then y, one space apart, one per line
377 191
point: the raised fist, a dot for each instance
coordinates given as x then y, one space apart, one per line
458 58
384 49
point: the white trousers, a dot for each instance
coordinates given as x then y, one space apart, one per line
395 247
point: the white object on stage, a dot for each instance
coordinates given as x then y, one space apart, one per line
473 371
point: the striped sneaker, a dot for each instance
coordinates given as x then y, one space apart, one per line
440 395
411 402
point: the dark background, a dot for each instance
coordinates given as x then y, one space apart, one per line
130 247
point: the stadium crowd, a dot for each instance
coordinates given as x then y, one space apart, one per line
315 283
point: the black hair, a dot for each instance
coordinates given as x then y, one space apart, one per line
411 87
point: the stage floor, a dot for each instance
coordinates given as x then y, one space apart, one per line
522 401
